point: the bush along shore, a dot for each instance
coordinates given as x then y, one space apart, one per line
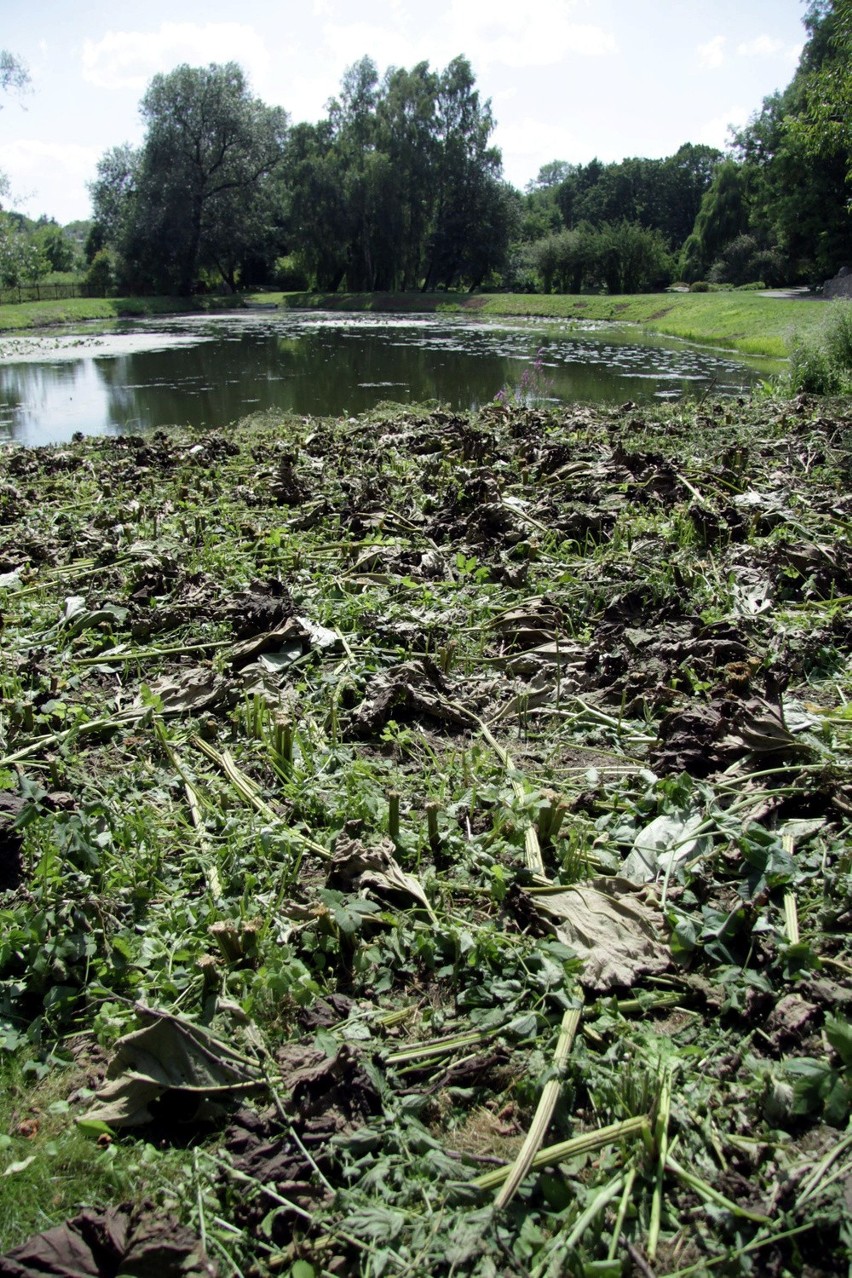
424 845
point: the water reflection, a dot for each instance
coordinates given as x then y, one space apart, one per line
210 371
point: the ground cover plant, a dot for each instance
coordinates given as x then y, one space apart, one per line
424 845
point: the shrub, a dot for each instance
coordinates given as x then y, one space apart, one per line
289 276
100 276
699 286
821 361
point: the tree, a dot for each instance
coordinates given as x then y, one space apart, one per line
406 137
564 260
550 175
54 245
823 124
472 212
21 261
723 215
193 196
796 153
316 215
631 258
399 187
14 75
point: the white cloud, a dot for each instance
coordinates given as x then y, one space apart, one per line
515 35
128 59
349 43
712 54
765 46
527 144
50 176
25 157
490 32
762 46
715 132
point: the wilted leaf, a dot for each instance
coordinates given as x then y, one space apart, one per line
187 693
355 866
168 1054
610 928
124 1240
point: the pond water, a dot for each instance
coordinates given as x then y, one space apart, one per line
209 371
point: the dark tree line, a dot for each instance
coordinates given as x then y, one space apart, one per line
398 187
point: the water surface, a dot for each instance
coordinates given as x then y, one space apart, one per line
209 371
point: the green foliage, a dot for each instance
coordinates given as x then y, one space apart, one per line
796 154
22 260
56 247
14 75
722 217
333 857
630 258
624 256
821 360
662 195
823 123
200 191
743 260
100 275
399 187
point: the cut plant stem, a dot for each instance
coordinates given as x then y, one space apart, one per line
622 1212
544 1109
595 1207
250 794
588 1143
440 1046
661 1141
711 1195
393 815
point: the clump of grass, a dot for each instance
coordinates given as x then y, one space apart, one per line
821 359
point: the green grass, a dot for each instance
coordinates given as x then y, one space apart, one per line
74 310
744 322
53 1168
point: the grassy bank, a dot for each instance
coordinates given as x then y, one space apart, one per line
467 798
744 322
76 310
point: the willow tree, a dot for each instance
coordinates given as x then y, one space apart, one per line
198 192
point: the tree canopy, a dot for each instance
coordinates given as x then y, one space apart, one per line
198 193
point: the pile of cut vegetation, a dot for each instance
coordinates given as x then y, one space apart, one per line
424 845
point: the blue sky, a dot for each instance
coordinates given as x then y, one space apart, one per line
568 79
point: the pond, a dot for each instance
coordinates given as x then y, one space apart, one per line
209 371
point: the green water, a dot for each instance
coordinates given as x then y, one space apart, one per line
211 371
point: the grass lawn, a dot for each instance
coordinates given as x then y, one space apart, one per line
746 322
75 310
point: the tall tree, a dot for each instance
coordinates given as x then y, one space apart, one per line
400 186
797 152
471 212
195 191
14 75
723 216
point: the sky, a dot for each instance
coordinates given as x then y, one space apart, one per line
568 79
